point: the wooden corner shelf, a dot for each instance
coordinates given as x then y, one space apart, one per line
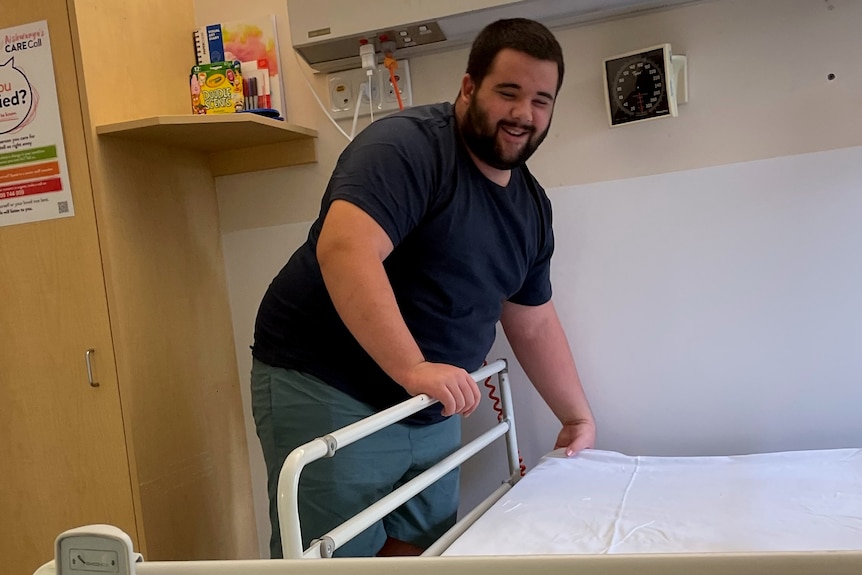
234 143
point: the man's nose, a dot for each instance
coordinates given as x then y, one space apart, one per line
522 111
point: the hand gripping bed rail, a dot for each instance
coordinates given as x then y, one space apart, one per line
327 446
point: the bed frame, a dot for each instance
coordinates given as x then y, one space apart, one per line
295 563
843 563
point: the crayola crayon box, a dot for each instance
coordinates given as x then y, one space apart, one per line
216 88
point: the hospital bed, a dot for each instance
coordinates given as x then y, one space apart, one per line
599 513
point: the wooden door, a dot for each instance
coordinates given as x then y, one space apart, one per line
63 454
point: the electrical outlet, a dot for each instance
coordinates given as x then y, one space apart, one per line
340 94
346 91
402 78
372 83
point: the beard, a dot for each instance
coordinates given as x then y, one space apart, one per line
480 136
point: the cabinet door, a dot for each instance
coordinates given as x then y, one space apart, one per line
63 455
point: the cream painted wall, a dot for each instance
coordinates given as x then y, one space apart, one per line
759 89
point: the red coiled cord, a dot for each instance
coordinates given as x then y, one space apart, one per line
492 393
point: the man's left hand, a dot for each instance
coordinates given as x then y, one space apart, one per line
577 436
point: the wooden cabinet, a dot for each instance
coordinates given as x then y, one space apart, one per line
159 447
63 453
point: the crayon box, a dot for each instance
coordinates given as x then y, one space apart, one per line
216 88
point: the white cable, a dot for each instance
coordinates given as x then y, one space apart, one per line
370 91
316 97
356 112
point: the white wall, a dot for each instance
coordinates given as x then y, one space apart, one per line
703 269
711 311
717 310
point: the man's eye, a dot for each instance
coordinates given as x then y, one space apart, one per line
507 94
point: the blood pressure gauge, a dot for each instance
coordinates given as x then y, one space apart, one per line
640 85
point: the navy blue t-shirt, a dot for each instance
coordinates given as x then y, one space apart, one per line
463 246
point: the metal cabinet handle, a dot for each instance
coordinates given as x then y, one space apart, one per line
90 368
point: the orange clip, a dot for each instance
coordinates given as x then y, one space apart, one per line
390 62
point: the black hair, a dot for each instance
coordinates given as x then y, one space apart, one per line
521 34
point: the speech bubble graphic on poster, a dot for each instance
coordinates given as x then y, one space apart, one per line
17 97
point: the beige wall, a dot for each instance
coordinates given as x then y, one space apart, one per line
758 89
758 84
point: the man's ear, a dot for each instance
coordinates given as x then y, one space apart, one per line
468 88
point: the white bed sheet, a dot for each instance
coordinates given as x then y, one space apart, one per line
602 502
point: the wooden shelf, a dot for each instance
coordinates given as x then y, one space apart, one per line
234 143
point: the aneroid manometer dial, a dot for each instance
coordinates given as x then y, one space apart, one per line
639 85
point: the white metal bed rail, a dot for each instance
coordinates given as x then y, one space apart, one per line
327 446
801 563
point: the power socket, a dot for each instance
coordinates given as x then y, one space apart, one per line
346 91
341 97
402 78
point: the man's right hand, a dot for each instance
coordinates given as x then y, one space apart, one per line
451 385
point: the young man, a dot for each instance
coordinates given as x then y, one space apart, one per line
431 231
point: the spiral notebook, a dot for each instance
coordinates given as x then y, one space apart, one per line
254 42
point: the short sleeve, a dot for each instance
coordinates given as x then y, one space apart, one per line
536 289
390 172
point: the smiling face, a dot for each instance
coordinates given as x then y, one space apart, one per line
503 120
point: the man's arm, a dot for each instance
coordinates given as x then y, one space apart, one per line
540 344
350 250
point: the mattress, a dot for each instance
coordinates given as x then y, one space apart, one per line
602 502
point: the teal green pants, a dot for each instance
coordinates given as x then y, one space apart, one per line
292 408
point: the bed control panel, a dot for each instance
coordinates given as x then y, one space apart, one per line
94 549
